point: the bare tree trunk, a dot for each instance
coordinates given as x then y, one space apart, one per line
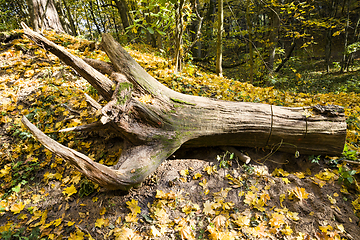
274 34
250 41
71 20
91 9
44 15
196 44
328 46
179 30
124 13
219 37
153 131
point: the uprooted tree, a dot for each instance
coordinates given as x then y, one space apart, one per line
153 131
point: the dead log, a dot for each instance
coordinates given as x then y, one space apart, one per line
153 131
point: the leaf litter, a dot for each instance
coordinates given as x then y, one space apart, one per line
196 197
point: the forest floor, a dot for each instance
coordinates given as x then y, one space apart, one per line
203 193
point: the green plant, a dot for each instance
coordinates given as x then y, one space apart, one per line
349 154
12 234
314 159
21 173
248 169
346 175
225 160
86 188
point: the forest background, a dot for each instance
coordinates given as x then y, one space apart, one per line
290 53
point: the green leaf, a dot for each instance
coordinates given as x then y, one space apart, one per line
151 31
17 188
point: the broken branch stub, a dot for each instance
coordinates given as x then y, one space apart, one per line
154 130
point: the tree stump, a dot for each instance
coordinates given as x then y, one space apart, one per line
153 131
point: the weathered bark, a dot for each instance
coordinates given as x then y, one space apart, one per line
154 131
44 15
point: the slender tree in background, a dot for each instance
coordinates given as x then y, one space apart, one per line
123 9
329 33
250 40
179 30
44 16
273 38
219 37
71 20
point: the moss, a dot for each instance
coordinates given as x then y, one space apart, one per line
181 101
123 86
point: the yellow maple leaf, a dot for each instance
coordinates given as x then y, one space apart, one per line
197 176
227 205
220 196
250 198
219 221
17 207
293 215
101 222
317 181
78 235
259 205
276 220
341 228
5 171
356 203
160 194
325 175
22 216
300 175
70 223
287 230
36 198
102 211
265 197
299 193
286 180
57 222
184 173
331 199
187 233
242 221
325 229
133 206
210 169
208 208
203 183
131 218
76 178
70 190
154 232
279 172
214 234
125 233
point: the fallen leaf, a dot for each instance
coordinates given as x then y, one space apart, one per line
17 207
70 190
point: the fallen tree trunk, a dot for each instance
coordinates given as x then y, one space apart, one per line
152 131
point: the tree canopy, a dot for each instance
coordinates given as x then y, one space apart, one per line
258 35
